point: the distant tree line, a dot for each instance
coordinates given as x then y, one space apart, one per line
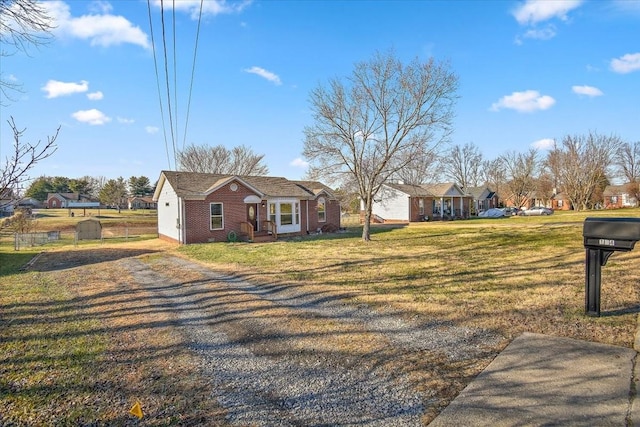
110 192
578 166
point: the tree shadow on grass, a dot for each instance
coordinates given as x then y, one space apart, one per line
53 261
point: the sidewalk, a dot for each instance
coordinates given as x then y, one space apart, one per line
543 380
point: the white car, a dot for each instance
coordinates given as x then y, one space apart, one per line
536 210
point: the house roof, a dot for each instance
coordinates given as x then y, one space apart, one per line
478 192
66 196
615 190
412 190
192 185
445 189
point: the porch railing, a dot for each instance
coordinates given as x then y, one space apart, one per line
247 228
270 227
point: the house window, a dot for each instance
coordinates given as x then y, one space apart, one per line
420 206
272 212
217 216
560 203
322 210
286 213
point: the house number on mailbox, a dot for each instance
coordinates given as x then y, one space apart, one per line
606 242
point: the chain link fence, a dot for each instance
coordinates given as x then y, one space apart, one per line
29 240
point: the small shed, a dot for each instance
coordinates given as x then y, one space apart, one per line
88 229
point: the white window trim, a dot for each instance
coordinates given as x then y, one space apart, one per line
323 202
211 215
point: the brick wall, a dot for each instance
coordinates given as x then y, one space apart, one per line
198 214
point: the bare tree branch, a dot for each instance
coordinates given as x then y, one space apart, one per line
23 23
206 159
371 127
24 157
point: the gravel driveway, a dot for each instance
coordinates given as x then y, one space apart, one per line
276 355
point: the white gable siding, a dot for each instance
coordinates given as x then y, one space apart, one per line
168 212
391 204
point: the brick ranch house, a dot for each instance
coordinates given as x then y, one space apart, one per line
201 207
411 203
66 200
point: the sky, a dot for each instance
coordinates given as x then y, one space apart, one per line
529 72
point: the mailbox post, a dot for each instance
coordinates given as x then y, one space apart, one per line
602 237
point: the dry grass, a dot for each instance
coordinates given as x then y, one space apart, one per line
510 275
86 342
80 340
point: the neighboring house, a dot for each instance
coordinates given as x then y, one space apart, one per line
7 202
559 202
202 207
483 198
140 202
617 196
68 200
411 203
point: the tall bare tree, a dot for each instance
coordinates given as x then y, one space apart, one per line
23 158
464 165
628 162
494 176
240 160
369 126
584 164
521 170
422 167
23 23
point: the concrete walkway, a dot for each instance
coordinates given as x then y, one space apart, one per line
542 380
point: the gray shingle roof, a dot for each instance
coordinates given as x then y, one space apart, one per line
196 185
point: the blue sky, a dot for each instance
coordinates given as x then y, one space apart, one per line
530 71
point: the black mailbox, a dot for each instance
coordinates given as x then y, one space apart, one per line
602 237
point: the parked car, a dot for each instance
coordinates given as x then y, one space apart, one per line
492 213
511 211
536 210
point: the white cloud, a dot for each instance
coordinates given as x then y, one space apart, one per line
533 11
100 28
209 7
12 78
587 90
265 74
299 163
543 144
55 88
125 120
626 63
95 96
546 33
524 102
151 129
92 117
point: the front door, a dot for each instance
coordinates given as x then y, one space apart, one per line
251 215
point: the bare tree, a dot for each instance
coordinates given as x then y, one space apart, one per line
494 176
24 156
627 160
22 23
464 165
584 162
206 159
370 127
422 167
520 169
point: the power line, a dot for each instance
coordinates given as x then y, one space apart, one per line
155 63
193 69
166 78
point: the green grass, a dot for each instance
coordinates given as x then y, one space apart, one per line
47 352
512 274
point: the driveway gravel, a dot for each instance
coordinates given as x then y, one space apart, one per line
267 374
